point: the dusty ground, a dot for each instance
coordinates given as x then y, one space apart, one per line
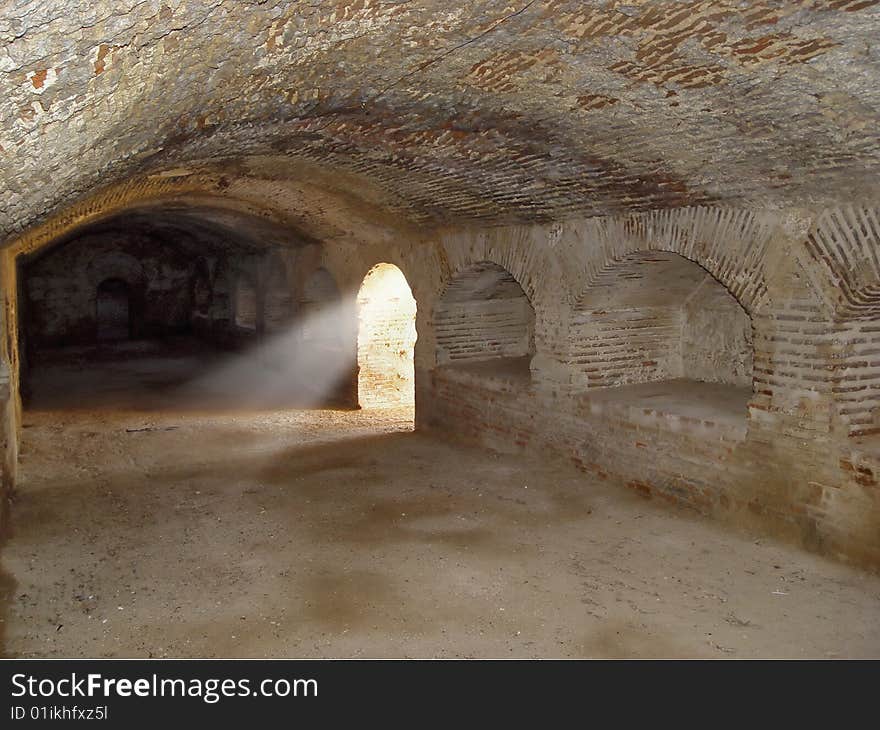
333 533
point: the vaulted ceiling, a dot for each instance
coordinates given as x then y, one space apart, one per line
444 111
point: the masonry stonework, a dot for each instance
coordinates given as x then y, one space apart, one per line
642 237
764 435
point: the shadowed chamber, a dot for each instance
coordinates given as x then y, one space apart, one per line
186 309
113 311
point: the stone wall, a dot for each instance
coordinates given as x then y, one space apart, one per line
767 415
761 428
483 314
62 288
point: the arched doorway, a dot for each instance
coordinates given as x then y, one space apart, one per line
386 339
113 310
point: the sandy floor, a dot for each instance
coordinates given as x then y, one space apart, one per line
333 533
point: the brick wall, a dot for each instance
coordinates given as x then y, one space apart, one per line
789 451
655 315
792 453
856 377
483 314
62 288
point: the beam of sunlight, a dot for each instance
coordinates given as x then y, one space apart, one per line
302 367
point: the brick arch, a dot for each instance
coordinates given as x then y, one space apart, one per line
843 245
642 258
201 189
394 259
483 313
455 275
116 265
517 250
349 271
843 262
388 262
421 277
730 244
655 315
421 266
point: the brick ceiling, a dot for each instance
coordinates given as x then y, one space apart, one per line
478 111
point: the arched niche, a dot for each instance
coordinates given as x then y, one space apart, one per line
485 323
654 328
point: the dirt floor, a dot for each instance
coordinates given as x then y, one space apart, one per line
178 533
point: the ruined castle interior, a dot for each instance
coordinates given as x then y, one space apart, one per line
385 328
